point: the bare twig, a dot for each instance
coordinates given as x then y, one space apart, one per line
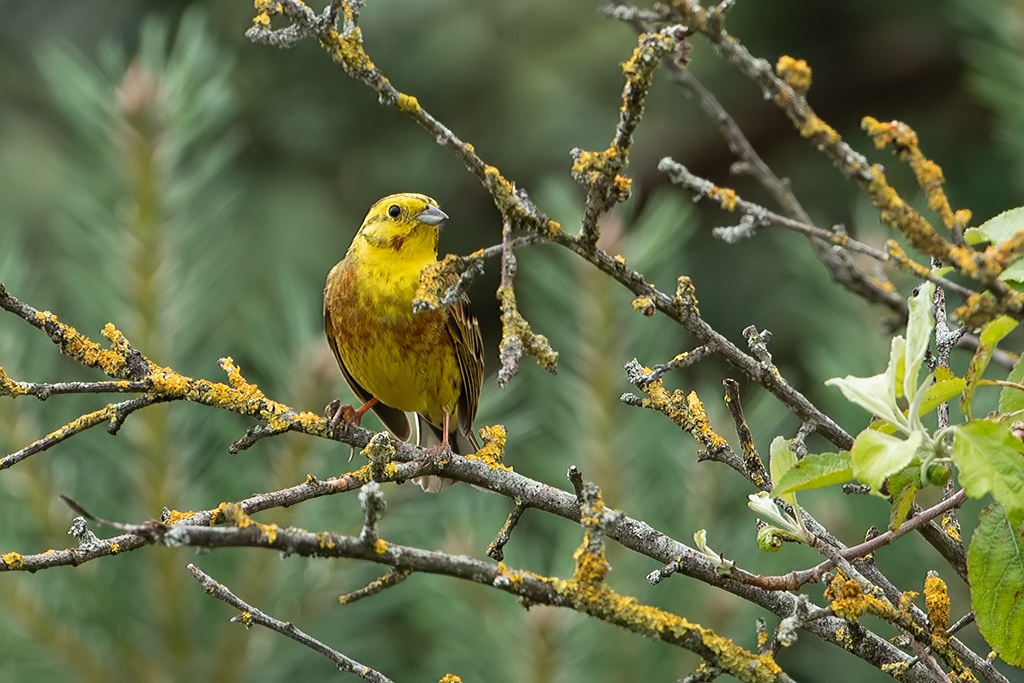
251 615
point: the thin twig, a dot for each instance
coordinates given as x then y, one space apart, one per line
392 578
496 550
251 615
752 463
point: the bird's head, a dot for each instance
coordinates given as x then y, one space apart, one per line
406 223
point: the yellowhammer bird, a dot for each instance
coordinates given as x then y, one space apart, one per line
419 372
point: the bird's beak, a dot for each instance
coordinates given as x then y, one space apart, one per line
432 215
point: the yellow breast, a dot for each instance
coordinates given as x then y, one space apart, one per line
404 359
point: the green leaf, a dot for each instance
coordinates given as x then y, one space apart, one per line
903 487
941 391
814 471
991 334
997 229
1012 400
919 332
782 461
876 456
995 566
877 394
991 460
1014 273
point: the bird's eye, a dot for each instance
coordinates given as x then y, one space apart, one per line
394 211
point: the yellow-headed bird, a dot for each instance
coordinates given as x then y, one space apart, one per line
419 372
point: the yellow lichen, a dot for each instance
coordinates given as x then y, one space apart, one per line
725 196
115 548
13 560
175 516
686 294
951 527
236 515
848 600
795 72
450 678
601 601
502 190
325 541
380 547
620 260
929 174
936 599
408 103
514 328
516 578
895 669
643 304
8 387
493 450
219 514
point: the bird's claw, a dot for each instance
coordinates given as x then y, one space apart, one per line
335 412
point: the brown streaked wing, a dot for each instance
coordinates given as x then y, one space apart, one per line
395 420
469 350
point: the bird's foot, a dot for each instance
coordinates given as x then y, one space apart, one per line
335 412
432 454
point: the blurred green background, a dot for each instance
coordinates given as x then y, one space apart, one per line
160 172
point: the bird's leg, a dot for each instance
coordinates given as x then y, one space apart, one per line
440 449
352 415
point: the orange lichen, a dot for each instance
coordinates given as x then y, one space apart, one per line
687 411
848 600
795 72
493 450
13 560
936 599
516 578
219 514
82 349
601 601
929 175
895 254
175 516
725 196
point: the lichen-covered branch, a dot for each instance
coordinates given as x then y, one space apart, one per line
585 592
599 172
760 217
840 266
